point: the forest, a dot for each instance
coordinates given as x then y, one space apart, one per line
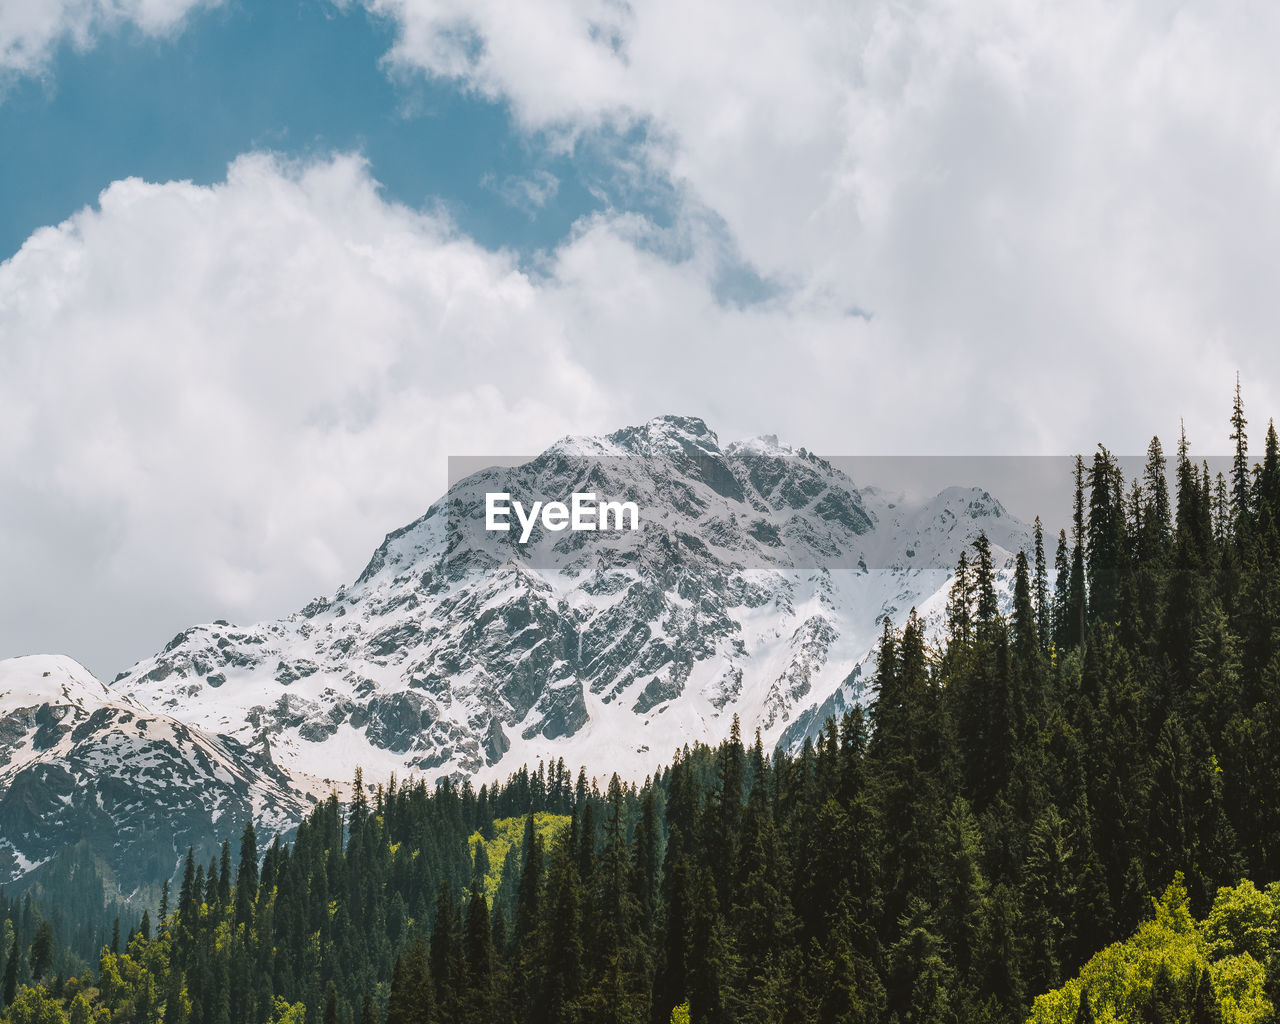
1065 810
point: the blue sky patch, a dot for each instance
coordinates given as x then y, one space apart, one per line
299 78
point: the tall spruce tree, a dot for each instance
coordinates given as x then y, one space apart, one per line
1241 480
1043 608
1074 616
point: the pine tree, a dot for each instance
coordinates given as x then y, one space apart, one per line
562 940
1269 478
1074 617
358 814
646 862
984 583
247 875
724 825
527 953
530 889
710 958
224 874
1186 591
446 949
1026 632
671 985
618 958
331 1005
1048 892
42 951
963 885
1044 621
10 989
1157 519
959 606
209 883
1171 829
905 754
1222 516
763 917
411 1000
1062 593
586 849
1241 482
998 960
478 942
480 866
1108 542
188 895
1093 918
921 982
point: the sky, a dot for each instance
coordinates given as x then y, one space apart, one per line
266 264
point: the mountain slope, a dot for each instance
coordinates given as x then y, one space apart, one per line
754 586
81 762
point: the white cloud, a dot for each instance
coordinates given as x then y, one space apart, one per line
1077 205
30 30
215 401
528 192
992 228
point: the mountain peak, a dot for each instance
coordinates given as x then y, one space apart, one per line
754 586
762 444
40 678
668 435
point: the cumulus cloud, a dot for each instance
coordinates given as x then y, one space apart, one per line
30 30
982 228
1075 203
214 401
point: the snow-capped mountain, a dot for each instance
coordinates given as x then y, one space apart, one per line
754 586
80 762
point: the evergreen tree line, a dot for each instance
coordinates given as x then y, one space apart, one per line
1007 805
57 926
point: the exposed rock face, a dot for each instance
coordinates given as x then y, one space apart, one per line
754 586
79 762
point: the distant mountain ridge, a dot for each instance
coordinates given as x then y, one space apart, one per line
458 651
755 586
81 762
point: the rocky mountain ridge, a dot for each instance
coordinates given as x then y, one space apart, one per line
755 585
80 762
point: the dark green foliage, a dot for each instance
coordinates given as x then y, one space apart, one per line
1001 810
246 875
42 951
10 974
1205 1006
411 1000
